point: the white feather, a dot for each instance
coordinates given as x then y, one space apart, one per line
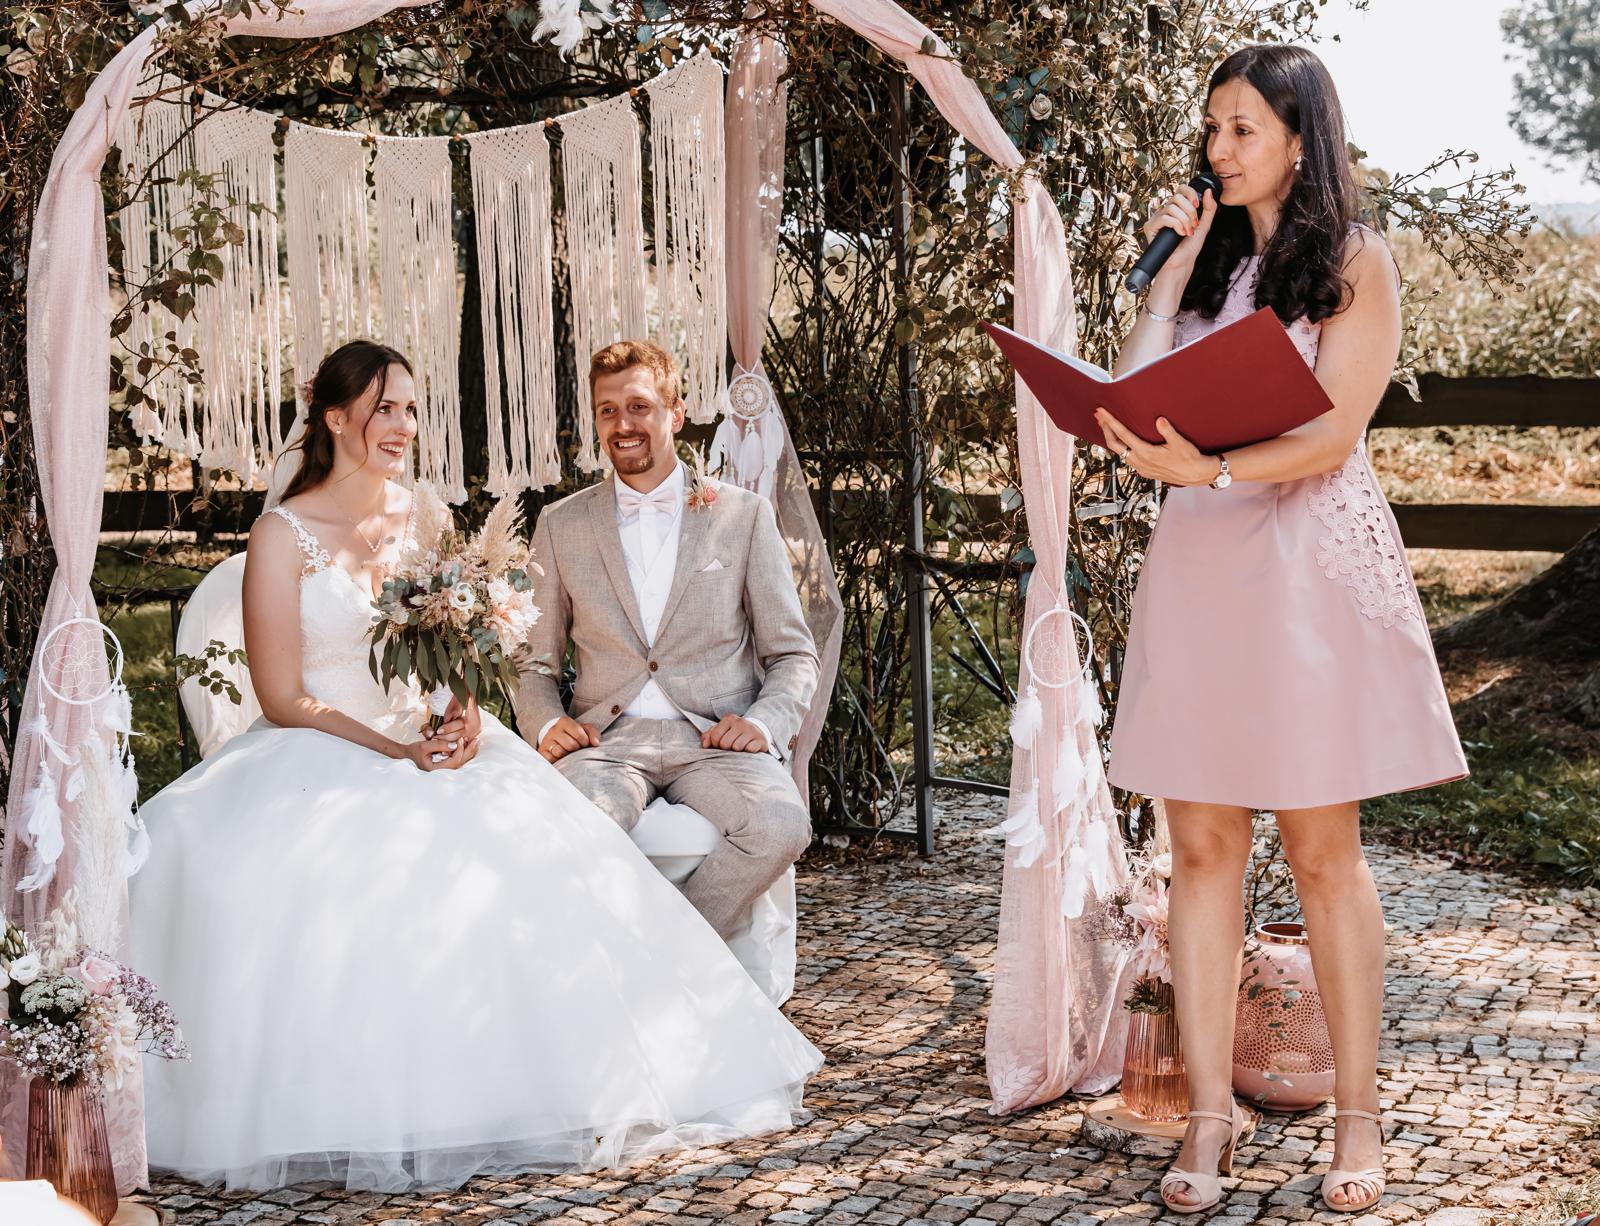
1027 717
1097 854
1068 775
1074 887
1089 709
1024 832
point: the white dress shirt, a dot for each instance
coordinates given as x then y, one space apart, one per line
650 526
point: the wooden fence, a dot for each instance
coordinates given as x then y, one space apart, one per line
1519 401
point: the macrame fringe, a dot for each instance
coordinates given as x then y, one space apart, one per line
237 319
511 201
156 148
600 163
687 179
328 237
417 279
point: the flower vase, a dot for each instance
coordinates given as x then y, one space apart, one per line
68 1147
1154 1084
1282 1055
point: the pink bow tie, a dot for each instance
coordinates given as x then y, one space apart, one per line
630 502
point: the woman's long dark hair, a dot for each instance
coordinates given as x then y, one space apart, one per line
342 378
1301 272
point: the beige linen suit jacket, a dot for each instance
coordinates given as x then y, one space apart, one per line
731 641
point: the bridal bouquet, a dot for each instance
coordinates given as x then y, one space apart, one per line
457 609
75 1015
1136 919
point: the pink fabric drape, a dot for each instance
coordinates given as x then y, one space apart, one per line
69 352
1055 1021
755 121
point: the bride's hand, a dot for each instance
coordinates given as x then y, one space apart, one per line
459 724
421 754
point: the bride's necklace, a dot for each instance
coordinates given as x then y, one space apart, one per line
373 546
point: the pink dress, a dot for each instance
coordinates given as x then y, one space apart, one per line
1278 657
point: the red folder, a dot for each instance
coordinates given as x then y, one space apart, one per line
1241 384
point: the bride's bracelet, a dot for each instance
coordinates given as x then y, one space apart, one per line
1158 317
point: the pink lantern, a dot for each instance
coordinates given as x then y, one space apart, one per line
1282 1056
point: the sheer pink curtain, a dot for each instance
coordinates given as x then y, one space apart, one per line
69 300
755 123
1055 1021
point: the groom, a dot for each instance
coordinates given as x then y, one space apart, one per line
694 665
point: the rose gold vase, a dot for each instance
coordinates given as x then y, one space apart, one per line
67 1145
1154 1086
1282 1056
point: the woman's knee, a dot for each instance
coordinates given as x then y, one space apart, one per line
1209 840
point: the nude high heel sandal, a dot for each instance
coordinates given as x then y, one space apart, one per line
1210 1186
1371 1178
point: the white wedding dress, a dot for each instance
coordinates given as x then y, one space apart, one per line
397 979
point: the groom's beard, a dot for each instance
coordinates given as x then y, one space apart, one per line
634 460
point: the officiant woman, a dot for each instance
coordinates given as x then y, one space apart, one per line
1278 658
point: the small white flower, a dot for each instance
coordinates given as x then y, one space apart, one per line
26 969
463 597
22 62
1161 866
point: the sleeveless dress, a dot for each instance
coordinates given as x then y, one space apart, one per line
393 979
1278 657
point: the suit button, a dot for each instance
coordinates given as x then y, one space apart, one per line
654 666
616 710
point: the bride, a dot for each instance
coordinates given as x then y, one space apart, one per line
402 962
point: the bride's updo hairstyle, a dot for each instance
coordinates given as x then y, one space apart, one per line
1301 274
344 376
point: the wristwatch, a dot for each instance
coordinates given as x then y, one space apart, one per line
1224 478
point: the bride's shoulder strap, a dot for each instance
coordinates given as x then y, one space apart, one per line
316 557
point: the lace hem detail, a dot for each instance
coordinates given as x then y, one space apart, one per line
316 557
1359 547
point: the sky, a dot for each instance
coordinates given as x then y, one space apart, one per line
1420 76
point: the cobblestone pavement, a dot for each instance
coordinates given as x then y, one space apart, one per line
1491 1047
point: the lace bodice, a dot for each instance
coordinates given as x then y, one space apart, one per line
335 636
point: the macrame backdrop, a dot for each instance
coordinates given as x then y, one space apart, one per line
686 175
605 240
156 145
238 319
329 244
417 273
511 206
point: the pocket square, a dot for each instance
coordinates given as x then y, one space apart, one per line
714 564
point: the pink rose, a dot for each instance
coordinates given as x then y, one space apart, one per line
97 974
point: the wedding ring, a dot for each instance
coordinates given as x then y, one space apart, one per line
1123 454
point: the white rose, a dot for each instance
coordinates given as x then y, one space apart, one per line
463 597
26 969
1161 866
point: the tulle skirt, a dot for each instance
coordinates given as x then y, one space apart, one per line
393 979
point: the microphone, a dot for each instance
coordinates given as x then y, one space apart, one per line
1167 239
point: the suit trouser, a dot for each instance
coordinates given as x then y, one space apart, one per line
749 797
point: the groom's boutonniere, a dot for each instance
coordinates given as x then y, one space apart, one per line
703 490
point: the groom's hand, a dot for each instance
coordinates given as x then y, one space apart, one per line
565 735
735 733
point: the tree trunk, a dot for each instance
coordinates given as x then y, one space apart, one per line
1554 617
1531 660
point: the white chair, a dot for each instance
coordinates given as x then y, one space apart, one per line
674 838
